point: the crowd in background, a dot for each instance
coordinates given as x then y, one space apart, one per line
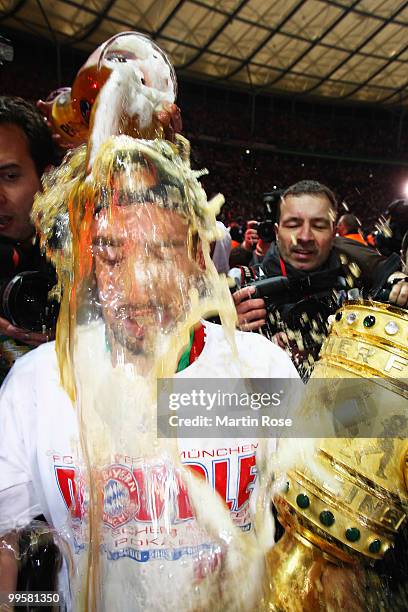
313 128
243 178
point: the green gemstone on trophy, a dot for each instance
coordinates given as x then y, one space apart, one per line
326 518
303 501
352 534
369 321
375 546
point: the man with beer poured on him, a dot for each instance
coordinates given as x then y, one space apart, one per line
143 514
148 242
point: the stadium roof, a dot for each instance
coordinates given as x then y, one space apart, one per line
341 49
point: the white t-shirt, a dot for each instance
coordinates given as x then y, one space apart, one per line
38 432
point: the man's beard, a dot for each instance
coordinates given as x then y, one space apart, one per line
141 347
146 346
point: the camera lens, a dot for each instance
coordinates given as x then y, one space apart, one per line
25 301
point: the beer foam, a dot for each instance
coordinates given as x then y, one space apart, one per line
134 91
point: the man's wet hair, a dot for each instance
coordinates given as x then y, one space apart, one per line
19 112
176 188
169 192
308 187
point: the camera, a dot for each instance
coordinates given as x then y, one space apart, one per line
280 291
266 223
266 230
25 281
272 200
299 307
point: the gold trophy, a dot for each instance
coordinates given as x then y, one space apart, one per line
343 509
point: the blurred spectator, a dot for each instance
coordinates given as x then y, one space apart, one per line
236 233
240 257
393 228
348 226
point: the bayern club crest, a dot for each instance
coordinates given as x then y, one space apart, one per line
121 497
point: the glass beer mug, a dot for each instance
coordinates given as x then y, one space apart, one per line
154 77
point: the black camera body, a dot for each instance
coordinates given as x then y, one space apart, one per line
266 223
301 305
280 290
266 230
26 279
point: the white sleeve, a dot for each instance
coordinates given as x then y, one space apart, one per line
18 502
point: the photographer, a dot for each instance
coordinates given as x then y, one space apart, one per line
26 150
260 234
257 240
312 272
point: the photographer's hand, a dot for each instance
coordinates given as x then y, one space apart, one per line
251 236
262 248
22 335
251 313
399 291
46 109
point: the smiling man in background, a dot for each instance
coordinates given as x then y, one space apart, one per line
26 151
